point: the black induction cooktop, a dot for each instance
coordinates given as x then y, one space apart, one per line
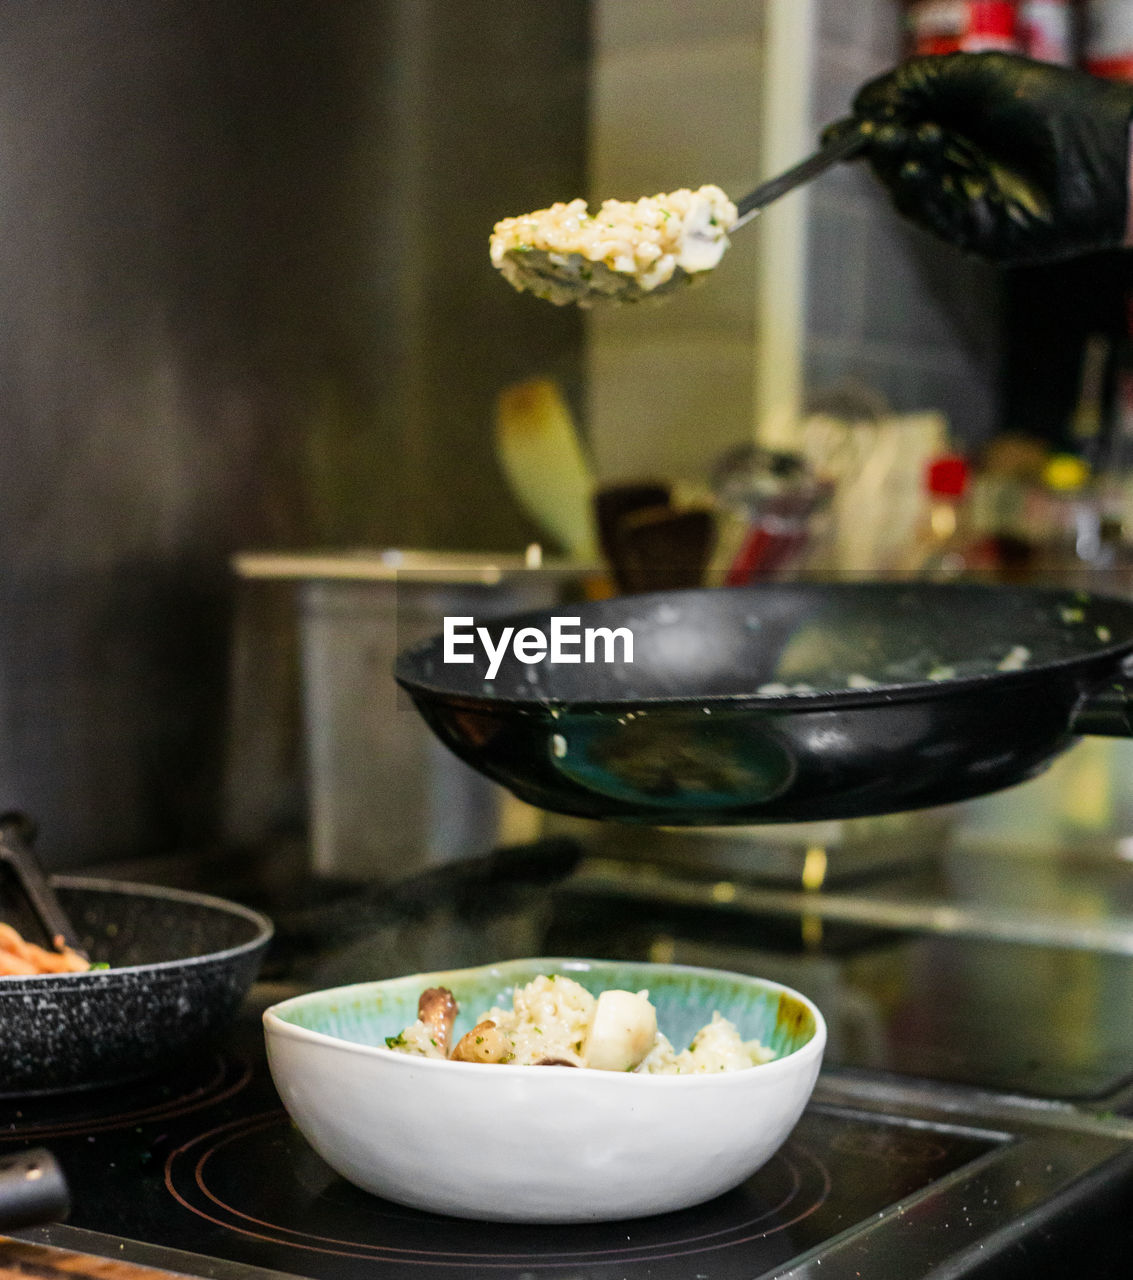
922 1152
309 1220
203 1172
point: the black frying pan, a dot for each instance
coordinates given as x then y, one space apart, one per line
180 964
977 688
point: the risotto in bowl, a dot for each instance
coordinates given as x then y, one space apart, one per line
548 1090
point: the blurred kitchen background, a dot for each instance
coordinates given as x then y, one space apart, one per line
252 338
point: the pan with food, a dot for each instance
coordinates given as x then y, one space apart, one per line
786 702
167 970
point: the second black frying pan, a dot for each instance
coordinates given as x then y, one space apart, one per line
179 965
789 702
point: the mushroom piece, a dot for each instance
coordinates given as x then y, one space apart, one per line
484 1043
437 1009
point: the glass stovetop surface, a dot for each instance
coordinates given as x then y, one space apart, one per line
208 1162
1043 1020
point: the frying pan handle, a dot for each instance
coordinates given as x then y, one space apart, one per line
32 1190
1106 710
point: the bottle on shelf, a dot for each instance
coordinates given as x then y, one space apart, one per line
940 545
1006 507
1107 39
951 26
1076 545
1046 30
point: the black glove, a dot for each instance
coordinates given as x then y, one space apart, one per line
1018 161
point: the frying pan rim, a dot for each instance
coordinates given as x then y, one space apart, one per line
156 969
877 695
822 699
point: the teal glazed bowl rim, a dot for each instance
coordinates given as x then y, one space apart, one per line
358 1017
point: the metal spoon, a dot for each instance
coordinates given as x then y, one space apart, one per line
572 277
847 140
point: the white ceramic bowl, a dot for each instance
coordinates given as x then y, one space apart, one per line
541 1144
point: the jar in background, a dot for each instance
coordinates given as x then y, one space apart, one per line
1107 41
947 26
941 541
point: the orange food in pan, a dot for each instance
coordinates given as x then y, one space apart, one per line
18 957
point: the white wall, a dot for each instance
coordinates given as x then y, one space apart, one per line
677 102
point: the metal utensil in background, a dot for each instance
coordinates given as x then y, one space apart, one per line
778 496
32 1190
17 833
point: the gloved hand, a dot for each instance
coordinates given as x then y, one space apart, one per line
1018 161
